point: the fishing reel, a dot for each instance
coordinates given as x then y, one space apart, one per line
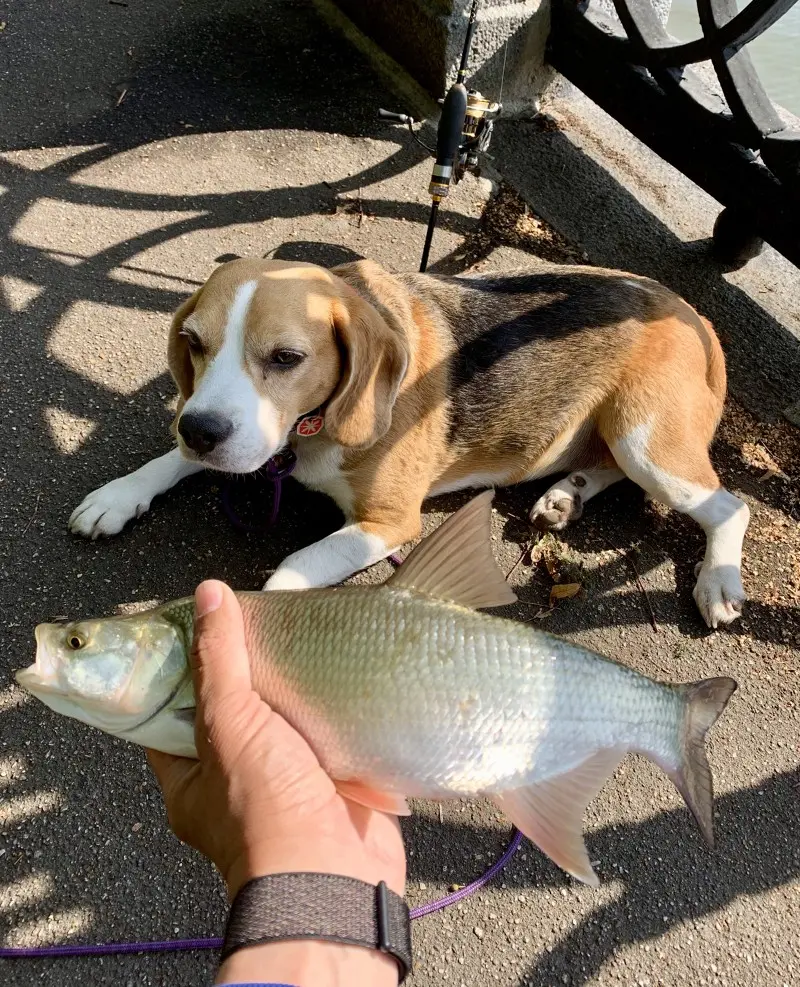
474 139
477 133
464 132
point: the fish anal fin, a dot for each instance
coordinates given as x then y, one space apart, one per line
550 813
389 802
456 563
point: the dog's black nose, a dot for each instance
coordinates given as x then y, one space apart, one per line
203 432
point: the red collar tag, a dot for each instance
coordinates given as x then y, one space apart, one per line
310 425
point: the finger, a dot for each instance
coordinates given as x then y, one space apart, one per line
219 656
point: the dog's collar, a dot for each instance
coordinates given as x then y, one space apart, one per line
278 468
282 464
310 423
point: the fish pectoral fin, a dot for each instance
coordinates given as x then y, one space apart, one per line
550 813
389 802
456 563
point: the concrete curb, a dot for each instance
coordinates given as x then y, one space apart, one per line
412 97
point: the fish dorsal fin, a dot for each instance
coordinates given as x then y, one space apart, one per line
550 813
455 563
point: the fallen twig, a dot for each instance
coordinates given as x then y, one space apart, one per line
526 551
33 516
629 558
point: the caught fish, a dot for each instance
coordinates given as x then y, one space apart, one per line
405 690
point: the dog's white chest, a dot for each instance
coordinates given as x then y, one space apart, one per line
319 467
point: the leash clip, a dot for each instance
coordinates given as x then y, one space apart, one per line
281 465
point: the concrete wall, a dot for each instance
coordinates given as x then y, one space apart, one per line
507 51
507 62
426 37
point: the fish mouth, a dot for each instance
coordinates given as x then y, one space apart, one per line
41 675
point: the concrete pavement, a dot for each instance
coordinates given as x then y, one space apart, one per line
138 147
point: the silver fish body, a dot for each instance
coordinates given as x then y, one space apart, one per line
406 690
427 698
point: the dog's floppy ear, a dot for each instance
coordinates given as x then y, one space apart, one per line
374 361
178 357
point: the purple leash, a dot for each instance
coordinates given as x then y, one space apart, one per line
450 899
278 468
108 949
175 945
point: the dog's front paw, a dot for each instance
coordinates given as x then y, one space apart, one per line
719 593
286 578
554 510
108 509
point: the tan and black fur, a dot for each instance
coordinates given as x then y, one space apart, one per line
431 383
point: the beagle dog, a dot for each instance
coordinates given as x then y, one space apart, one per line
421 384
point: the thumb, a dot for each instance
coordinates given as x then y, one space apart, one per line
219 655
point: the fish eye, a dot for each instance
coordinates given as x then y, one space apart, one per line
75 641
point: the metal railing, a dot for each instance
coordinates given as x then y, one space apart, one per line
728 138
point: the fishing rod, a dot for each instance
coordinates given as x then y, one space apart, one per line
464 132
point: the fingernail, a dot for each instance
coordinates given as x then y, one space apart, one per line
208 597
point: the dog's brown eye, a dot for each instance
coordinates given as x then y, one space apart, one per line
285 359
192 339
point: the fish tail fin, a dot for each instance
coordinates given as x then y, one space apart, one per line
704 702
550 813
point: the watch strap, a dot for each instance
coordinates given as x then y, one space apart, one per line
331 907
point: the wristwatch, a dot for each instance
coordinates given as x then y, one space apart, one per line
320 906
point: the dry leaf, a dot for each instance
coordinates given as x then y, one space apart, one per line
757 455
552 566
563 591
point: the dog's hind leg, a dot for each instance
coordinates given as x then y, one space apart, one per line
564 501
724 518
658 425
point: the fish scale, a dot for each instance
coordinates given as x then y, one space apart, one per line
461 682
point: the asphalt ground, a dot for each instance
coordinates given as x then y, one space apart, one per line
136 149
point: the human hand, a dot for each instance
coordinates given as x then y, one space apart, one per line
257 801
